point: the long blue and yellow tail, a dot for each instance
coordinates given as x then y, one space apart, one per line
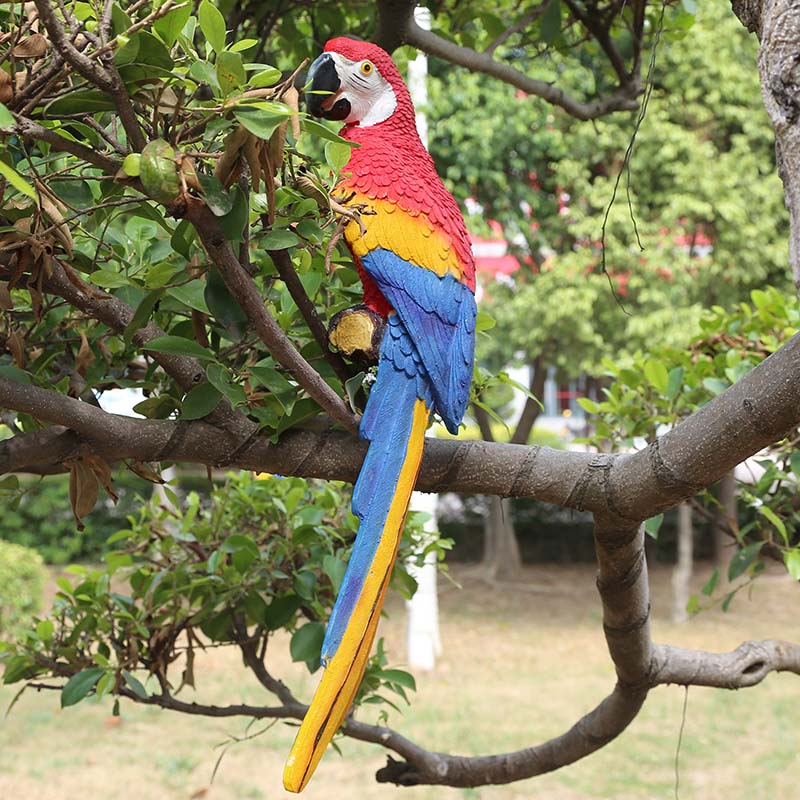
394 422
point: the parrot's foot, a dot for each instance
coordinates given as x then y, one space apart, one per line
357 331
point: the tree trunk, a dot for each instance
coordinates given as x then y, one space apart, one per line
725 518
501 557
424 642
682 574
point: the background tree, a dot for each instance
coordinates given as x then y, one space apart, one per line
166 219
693 243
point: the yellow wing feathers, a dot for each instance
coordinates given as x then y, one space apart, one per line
342 676
409 235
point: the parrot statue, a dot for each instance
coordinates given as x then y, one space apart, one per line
413 254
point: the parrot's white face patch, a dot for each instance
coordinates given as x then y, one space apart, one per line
371 97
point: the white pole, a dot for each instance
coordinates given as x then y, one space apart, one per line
424 643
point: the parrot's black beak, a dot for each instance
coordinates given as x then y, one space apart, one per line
322 95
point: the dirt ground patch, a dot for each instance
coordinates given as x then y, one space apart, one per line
521 663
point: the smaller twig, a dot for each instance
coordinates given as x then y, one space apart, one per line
517 27
306 307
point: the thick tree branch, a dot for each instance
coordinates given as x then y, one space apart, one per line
108 80
396 26
748 665
532 408
31 130
755 412
97 304
305 306
777 25
246 294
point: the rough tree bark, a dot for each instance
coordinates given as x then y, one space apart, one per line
724 521
502 560
682 572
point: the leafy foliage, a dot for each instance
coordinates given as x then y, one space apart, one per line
22 581
688 175
265 554
37 515
654 390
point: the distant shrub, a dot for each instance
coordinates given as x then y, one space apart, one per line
41 517
22 580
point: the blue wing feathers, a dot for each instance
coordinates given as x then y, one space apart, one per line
387 424
426 353
438 314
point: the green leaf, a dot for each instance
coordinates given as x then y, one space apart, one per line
588 405
715 385
484 322
135 684
81 101
15 374
794 463
217 199
693 604
16 180
792 560
177 345
352 386
281 611
212 23
304 584
79 685
711 583
337 155
283 391
156 407
653 525
200 401
674 383
223 305
230 71
742 559
191 294
279 239
261 122
219 377
264 77
551 21
334 568
6 118
171 24
323 132
306 644
657 374
769 514
108 279
141 315
400 677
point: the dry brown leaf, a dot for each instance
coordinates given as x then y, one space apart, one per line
6 303
226 166
53 208
83 490
16 346
292 99
102 470
250 151
277 142
6 90
32 46
85 357
145 471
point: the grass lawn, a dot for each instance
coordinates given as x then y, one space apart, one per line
520 664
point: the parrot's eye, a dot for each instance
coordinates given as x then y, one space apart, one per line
367 67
